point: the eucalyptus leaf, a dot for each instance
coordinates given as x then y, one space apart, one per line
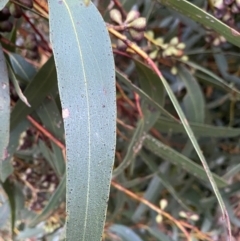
43 82
86 81
4 108
22 69
3 3
176 158
199 15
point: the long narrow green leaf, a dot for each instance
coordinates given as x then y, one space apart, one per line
141 93
4 108
152 194
178 159
193 101
124 233
165 125
133 148
197 148
192 11
23 69
155 232
16 86
214 77
50 117
153 167
86 80
36 91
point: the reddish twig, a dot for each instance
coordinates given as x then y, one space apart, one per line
46 133
138 105
124 96
150 205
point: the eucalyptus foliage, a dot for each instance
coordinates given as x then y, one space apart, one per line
119 120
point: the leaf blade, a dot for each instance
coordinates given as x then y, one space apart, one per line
4 108
188 9
89 91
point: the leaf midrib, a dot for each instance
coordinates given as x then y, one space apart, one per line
88 116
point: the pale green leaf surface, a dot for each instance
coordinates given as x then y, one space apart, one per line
3 3
192 11
4 108
86 80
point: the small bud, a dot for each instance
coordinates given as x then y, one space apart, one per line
159 41
116 16
163 204
194 217
154 54
15 10
174 70
182 214
164 46
181 46
222 39
219 4
237 2
137 36
216 42
121 45
150 34
227 17
235 9
138 24
159 218
174 41
132 15
168 52
184 58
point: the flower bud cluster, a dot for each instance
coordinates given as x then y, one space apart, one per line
167 50
133 24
